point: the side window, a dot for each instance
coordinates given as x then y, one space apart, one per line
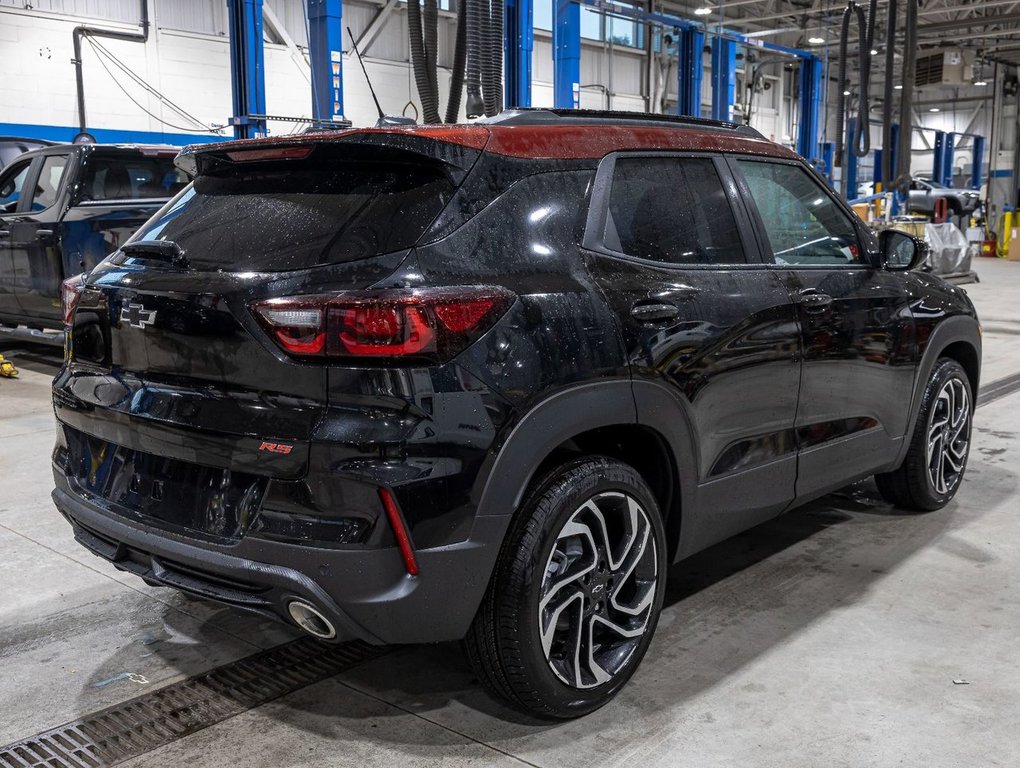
48 185
11 184
673 210
804 225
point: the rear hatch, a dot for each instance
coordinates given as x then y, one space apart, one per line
170 372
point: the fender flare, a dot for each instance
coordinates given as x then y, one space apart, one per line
511 467
951 330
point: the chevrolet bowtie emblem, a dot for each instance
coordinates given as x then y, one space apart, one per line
137 316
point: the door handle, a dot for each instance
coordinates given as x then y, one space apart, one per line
44 232
813 301
654 312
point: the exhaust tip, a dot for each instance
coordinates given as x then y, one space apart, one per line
311 620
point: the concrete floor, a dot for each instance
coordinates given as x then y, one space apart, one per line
831 636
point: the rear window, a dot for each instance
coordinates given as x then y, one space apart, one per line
287 215
130 176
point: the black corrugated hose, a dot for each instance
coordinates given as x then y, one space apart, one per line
474 104
494 100
485 29
888 171
907 99
862 137
459 56
841 86
431 22
429 100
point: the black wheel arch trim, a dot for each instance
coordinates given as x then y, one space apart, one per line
570 412
951 330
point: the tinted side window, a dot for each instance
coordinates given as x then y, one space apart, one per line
804 225
11 186
130 176
49 182
671 209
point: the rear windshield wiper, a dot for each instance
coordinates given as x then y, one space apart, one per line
166 250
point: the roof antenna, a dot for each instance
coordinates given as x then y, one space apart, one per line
384 119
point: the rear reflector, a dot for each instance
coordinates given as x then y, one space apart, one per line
430 324
70 292
399 531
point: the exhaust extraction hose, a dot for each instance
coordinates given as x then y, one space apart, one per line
416 46
431 35
459 57
888 171
907 99
474 104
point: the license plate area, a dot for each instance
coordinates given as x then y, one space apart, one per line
195 500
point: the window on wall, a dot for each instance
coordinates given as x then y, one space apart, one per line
596 26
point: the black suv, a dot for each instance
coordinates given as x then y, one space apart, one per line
488 382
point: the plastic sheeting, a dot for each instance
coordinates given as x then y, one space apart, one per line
949 253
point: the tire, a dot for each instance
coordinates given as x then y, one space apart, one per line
925 482
608 590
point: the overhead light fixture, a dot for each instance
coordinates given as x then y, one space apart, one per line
702 11
934 109
898 87
846 93
979 73
980 82
816 40
874 51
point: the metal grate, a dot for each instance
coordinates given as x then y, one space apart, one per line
149 721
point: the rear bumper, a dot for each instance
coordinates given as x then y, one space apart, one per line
366 593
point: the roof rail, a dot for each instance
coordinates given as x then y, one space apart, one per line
545 116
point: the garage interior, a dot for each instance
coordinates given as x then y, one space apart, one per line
846 632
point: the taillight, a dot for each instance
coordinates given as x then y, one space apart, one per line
70 292
431 324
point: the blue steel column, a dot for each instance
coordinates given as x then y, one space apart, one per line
247 68
947 160
828 158
724 77
325 51
518 44
851 161
977 162
690 48
810 106
566 54
938 156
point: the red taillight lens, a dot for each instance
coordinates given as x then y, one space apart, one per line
70 292
431 324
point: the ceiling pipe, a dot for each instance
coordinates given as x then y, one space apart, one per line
82 31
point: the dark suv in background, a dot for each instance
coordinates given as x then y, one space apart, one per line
63 209
488 382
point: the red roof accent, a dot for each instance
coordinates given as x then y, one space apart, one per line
596 141
569 142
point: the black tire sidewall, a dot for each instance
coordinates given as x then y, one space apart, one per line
571 486
945 371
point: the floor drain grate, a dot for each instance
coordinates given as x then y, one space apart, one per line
153 719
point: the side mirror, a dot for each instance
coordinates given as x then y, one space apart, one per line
900 251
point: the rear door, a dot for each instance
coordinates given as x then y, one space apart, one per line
669 244
35 250
13 182
857 327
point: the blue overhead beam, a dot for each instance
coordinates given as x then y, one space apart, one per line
247 68
724 77
325 52
519 42
566 54
690 48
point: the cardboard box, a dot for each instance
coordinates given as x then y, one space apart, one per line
1013 254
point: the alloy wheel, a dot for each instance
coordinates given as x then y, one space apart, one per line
598 590
948 436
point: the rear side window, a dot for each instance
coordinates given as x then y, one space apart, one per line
284 216
804 225
130 176
48 184
673 210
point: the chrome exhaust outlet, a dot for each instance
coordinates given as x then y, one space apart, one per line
311 620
